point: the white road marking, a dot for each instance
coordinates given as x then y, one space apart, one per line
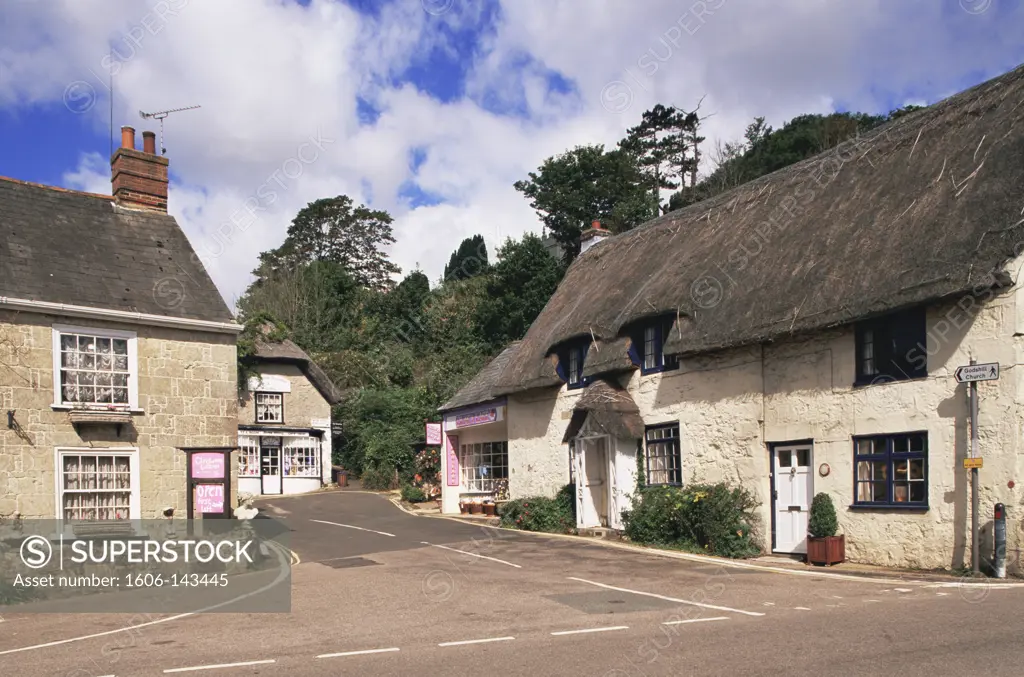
942 594
696 620
581 632
349 526
903 590
477 641
801 608
872 600
357 653
768 603
221 665
667 599
472 554
132 628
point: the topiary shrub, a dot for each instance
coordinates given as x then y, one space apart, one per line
413 494
823 521
711 518
538 513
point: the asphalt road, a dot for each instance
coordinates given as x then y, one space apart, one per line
381 592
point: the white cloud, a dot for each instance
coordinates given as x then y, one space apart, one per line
271 74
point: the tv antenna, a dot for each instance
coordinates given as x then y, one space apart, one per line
160 115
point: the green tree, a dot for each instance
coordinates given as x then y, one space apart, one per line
520 284
331 229
659 148
587 183
469 260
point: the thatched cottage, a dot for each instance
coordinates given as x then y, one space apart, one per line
117 352
795 335
284 422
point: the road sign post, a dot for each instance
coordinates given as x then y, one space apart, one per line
971 374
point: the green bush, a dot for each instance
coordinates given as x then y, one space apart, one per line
823 521
711 518
538 513
566 496
413 494
379 479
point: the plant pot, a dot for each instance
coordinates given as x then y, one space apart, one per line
826 550
464 508
489 509
438 503
475 508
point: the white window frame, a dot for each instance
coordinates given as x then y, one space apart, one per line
308 447
134 502
256 406
133 366
473 480
249 449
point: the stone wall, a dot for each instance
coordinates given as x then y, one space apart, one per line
303 406
187 397
731 406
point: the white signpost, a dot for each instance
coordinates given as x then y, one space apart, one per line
971 374
977 372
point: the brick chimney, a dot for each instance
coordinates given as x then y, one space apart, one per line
139 178
592 236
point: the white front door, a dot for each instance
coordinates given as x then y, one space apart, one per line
592 482
794 488
270 464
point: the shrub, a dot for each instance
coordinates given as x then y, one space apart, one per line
379 479
538 513
413 494
823 521
567 497
712 518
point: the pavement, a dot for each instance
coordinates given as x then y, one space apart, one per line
378 591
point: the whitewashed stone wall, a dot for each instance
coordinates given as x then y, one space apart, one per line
732 405
187 393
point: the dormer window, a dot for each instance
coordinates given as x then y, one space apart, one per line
570 364
269 407
648 348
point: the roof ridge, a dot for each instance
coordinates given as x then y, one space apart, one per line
59 189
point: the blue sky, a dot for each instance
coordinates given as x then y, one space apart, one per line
433 108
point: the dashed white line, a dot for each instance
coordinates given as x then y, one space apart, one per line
364 652
872 600
473 554
218 666
477 641
942 594
696 620
801 608
667 599
581 632
349 526
903 590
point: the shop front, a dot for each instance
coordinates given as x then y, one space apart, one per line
280 461
474 465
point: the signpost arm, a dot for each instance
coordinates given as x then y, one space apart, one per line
975 499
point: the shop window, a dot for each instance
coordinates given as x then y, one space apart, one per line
269 407
484 465
98 487
892 348
891 471
664 459
248 456
301 457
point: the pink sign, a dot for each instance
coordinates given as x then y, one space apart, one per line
209 498
208 466
451 447
433 433
476 418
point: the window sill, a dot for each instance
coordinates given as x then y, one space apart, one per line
883 379
903 507
97 410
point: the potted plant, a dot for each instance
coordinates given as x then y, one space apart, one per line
475 508
823 546
489 509
464 507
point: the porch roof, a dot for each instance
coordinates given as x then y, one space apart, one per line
609 407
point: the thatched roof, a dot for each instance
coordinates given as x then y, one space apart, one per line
481 388
925 207
610 409
286 352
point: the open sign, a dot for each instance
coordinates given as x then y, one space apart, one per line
209 498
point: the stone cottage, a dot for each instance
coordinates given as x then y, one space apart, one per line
116 349
284 422
800 334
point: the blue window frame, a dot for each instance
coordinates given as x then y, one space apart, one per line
647 348
570 364
891 471
664 464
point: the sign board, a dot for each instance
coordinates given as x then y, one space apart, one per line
433 433
977 372
476 418
209 498
208 466
970 463
452 460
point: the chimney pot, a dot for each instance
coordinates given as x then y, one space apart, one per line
128 137
149 142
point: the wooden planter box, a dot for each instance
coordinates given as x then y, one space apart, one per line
827 550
